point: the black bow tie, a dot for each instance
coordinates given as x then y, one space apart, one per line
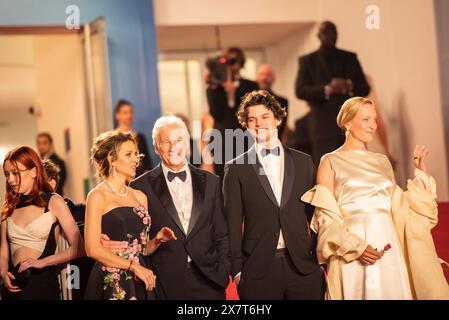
181 175
275 151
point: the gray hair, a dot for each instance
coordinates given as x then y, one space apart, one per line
166 121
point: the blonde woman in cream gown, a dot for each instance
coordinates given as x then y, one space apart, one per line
362 183
363 192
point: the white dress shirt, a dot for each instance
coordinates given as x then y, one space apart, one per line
273 166
182 194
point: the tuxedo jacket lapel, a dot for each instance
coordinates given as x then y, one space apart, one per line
198 192
289 174
262 176
157 180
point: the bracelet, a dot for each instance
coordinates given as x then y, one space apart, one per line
130 264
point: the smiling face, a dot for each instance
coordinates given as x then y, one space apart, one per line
171 145
127 160
262 124
20 179
363 126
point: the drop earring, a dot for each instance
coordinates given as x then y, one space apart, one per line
113 171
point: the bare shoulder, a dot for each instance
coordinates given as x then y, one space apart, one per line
56 201
325 164
96 195
58 206
325 174
141 197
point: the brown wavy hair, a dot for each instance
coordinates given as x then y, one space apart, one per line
105 145
30 159
260 97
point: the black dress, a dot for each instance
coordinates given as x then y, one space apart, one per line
130 225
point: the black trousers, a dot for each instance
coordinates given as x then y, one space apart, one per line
199 287
283 282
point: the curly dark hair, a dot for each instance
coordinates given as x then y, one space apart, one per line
258 97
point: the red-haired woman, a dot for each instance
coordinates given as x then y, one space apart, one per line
31 218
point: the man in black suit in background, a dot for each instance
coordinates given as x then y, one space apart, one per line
44 142
224 100
326 78
265 79
274 257
189 201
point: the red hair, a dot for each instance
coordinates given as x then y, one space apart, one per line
30 159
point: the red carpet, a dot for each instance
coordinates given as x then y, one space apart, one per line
440 236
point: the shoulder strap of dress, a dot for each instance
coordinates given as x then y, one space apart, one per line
47 196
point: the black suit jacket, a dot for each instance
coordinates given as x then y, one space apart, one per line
206 241
248 197
224 116
62 172
313 74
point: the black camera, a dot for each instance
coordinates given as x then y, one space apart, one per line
218 68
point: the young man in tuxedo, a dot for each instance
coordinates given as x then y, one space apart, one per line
187 200
274 256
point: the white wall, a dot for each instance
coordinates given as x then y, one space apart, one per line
17 93
61 97
211 12
401 57
284 58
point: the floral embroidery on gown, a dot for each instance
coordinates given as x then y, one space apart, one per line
130 225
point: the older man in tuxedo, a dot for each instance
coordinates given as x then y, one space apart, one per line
187 200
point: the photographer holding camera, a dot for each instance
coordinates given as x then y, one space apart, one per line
225 91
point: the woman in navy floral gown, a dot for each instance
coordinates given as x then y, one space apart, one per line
119 213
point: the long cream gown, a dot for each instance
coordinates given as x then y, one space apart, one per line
363 193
